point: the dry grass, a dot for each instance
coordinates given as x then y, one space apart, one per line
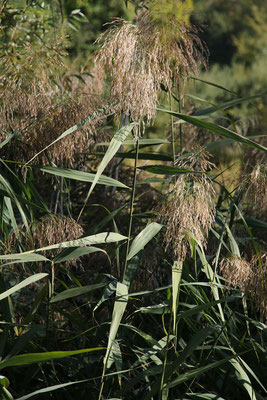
50 230
141 58
189 209
39 100
39 119
249 277
257 192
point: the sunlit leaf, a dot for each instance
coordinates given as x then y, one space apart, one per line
25 282
32 358
69 293
143 238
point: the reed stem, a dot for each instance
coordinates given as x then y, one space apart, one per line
131 205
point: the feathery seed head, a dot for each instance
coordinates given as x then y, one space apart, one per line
39 116
189 209
142 57
249 276
50 230
237 271
258 191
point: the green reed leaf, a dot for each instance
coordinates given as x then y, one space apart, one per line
143 238
81 176
50 389
22 284
32 358
69 293
100 238
118 311
169 170
114 146
177 270
211 127
72 253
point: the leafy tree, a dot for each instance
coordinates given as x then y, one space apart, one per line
235 32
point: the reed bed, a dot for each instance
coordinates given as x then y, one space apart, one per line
131 268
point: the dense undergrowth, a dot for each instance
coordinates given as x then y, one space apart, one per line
133 220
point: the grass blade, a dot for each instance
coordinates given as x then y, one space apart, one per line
143 238
104 237
81 176
114 146
50 389
211 127
242 376
198 371
213 84
70 253
168 170
23 258
32 358
22 284
177 270
142 142
67 294
118 311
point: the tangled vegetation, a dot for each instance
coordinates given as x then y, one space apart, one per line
133 210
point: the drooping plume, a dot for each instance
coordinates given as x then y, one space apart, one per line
144 57
189 208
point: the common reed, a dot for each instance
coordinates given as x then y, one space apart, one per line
144 57
188 209
39 99
49 230
257 192
249 277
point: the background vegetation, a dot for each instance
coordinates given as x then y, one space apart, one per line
133 199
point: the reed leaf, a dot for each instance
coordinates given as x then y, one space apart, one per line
81 176
32 358
177 270
24 283
143 238
70 293
213 128
100 238
118 311
114 146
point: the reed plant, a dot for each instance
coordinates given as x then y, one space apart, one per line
129 269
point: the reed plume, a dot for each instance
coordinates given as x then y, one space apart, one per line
189 209
249 276
144 57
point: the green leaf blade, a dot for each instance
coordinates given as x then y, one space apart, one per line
143 238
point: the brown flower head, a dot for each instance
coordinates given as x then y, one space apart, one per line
257 192
189 210
39 104
248 276
50 230
142 58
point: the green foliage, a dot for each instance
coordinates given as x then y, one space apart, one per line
94 13
95 301
236 37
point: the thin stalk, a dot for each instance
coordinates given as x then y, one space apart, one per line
165 361
50 288
131 205
180 126
177 270
172 130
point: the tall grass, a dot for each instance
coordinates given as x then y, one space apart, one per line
148 282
